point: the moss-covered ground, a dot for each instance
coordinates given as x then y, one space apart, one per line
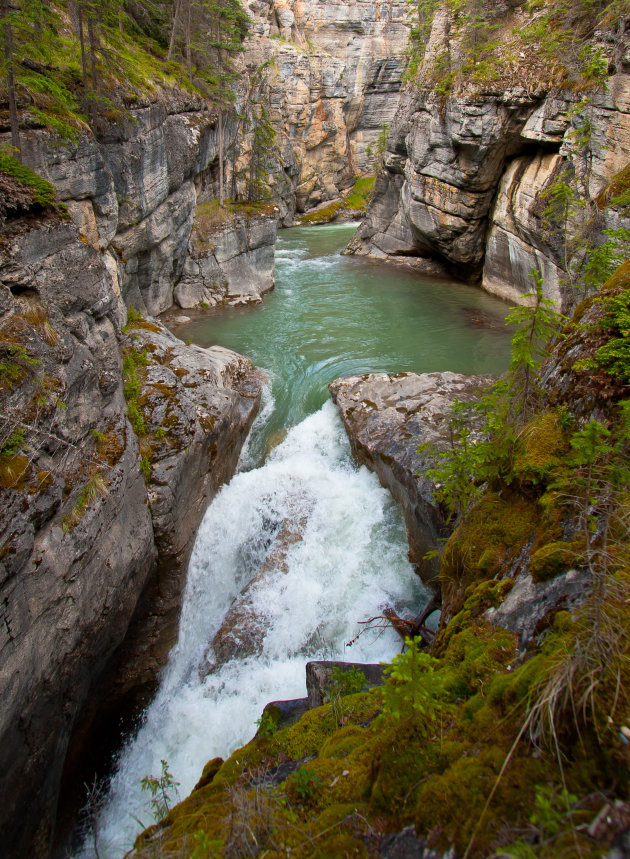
486 744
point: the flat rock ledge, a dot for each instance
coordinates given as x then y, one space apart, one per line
387 417
321 677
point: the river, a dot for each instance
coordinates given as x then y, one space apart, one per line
329 315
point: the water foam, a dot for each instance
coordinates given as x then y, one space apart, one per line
350 561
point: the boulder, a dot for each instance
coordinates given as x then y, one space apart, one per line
387 417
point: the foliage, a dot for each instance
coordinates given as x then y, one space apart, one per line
162 788
614 355
42 192
306 784
93 489
88 59
413 688
345 681
485 453
553 47
133 362
266 724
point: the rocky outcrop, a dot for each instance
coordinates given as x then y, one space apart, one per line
387 418
231 258
331 81
136 190
96 519
467 175
324 681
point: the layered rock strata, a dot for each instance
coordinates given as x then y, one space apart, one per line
96 519
331 78
467 176
135 191
230 262
387 418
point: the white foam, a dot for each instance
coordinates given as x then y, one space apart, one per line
350 562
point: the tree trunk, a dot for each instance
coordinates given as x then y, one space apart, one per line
220 157
8 56
86 89
188 38
94 74
171 44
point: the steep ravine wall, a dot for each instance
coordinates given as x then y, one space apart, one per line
97 518
462 189
329 75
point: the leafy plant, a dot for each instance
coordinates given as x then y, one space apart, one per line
306 784
482 450
413 688
163 790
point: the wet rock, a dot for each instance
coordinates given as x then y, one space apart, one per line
91 556
229 262
387 417
244 627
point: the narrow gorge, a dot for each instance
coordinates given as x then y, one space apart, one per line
186 519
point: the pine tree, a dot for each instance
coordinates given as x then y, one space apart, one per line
8 11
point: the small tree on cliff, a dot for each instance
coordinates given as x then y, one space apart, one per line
8 11
225 38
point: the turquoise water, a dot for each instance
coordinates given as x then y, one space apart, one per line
333 315
329 315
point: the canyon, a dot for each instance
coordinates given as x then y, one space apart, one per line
131 433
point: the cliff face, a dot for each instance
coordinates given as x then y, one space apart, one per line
330 77
470 171
134 191
97 518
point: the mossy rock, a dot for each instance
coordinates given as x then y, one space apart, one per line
343 742
619 281
555 558
482 546
544 445
452 805
619 186
323 215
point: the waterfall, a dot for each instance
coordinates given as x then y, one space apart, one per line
345 557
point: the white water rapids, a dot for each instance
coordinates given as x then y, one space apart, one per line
350 561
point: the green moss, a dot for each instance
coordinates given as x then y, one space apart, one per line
554 558
323 215
361 193
342 742
41 192
544 444
493 532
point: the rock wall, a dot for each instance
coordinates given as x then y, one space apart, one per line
331 76
134 192
231 260
462 189
387 418
95 520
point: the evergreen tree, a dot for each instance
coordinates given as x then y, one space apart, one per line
8 11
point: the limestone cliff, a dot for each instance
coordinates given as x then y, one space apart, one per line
330 74
475 156
111 446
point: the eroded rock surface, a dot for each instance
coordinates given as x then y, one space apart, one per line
230 262
466 176
86 543
387 417
332 82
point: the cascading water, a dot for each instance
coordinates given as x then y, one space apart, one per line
350 561
322 544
